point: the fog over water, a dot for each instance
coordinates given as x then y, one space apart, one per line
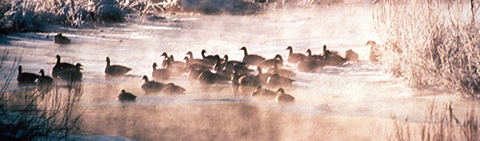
354 101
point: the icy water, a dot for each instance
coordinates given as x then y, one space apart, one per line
354 101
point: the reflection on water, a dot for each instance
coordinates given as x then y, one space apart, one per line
353 101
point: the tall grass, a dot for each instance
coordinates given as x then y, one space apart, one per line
439 126
431 42
38 114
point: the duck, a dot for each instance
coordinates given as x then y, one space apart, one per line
197 61
314 56
176 68
165 59
229 64
374 51
44 81
26 77
282 72
350 55
276 80
210 59
260 92
294 57
160 74
61 66
271 62
249 80
207 77
60 39
171 88
193 66
115 70
310 64
332 58
283 98
151 86
73 74
251 59
126 96
262 77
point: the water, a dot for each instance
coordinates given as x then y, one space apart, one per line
354 101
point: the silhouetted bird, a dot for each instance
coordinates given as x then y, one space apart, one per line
115 70
283 98
126 96
251 59
151 86
294 57
26 77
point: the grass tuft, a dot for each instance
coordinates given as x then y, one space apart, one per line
431 42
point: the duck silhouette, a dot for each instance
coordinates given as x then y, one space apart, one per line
115 70
271 62
294 57
126 96
26 77
171 88
276 80
59 67
251 59
283 98
264 93
161 73
44 81
151 86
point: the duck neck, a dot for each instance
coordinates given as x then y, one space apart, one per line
245 52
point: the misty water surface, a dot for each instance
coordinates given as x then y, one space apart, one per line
354 101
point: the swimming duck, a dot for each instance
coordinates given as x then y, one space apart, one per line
165 59
310 64
251 59
126 96
350 55
249 80
61 66
73 74
279 81
210 59
283 98
282 72
26 77
207 77
176 68
229 64
264 93
271 62
374 51
60 39
115 70
171 88
197 61
151 86
314 56
44 81
160 74
262 77
332 58
193 66
294 57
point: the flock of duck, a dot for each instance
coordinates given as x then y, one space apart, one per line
210 69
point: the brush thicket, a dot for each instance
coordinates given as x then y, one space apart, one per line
31 113
431 42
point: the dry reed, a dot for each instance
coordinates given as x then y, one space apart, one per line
431 42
